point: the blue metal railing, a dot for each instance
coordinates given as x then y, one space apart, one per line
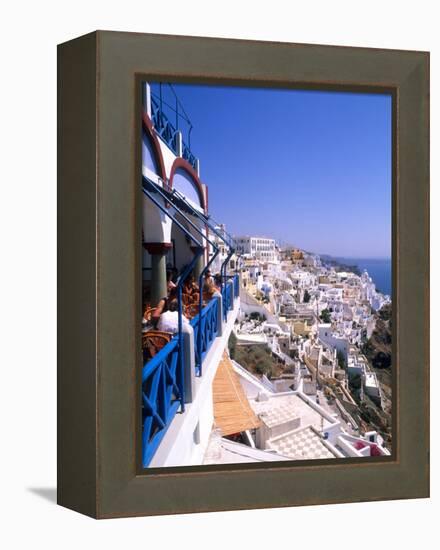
223 274
205 326
162 125
162 379
162 391
187 155
227 298
168 132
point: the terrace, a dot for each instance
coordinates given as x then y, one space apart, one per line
174 399
303 444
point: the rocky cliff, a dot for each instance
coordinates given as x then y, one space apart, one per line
378 348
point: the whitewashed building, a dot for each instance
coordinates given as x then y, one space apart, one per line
260 248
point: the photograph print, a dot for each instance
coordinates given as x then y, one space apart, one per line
266 275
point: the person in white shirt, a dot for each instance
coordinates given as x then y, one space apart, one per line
169 320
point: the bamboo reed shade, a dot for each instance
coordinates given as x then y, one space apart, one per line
232 411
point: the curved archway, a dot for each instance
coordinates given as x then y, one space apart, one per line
151 148
187 180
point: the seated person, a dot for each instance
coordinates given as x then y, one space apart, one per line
170 283
190 290
209 291
218 281
163 306
174 272
169 320
208 277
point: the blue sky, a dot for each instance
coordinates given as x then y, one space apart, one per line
309 168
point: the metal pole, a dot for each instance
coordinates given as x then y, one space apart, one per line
181 362
203 218
189 137
199 334
158 190
223 271
182 278
164 210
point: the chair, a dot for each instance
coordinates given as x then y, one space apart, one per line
153 341
186 298
191 310
148 312
208 295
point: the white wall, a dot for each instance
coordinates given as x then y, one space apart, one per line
185 450
183 251
168 157
341 344
248 304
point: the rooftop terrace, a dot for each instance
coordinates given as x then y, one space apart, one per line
295 406
301 444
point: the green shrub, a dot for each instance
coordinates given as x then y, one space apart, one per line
341 359
256 316
325 316
264 366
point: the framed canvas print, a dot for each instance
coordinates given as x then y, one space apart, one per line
243 274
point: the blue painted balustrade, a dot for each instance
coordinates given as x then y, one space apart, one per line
162 395
168 132
162 125
205 326
187 155
162 383
228 297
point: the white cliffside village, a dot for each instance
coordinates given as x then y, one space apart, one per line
314 319
303 318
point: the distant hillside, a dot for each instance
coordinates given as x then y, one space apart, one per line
339 266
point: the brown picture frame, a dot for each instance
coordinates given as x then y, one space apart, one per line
99 228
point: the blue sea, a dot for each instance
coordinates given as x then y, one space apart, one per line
378 269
